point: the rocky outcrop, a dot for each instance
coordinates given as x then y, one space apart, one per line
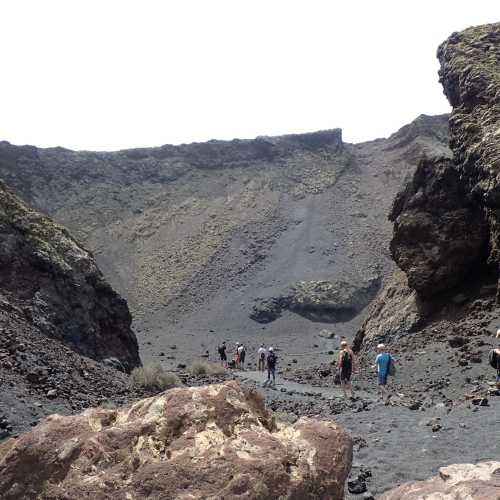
208 442
447 219
470 74
468 481
50 280
439 235
324 301
396 310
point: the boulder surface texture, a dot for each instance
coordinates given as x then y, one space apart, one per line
212 442
462 481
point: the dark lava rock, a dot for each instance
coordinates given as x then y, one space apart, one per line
432 212
58 287
457 341
357 486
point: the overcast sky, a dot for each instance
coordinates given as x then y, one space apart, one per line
108 74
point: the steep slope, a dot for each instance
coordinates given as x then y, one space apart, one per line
58 287
56 312
197 236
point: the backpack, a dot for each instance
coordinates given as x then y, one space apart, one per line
392 367
221 349
271 360
346 361
493 359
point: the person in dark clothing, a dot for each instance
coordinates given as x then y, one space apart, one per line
261 353
494 357
222 353
272 359
346 367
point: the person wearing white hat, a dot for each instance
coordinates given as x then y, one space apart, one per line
383 363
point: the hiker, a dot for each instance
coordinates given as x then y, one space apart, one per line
272 359
261 353
383 363
494 359
222 354
346 367
237 356
241 356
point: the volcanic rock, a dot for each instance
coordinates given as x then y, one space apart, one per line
473 481
207 442
439 236
56 284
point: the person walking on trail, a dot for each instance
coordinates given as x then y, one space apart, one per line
261 353
383 363
222 354
346 367
494 359
272 359
241 356
237 356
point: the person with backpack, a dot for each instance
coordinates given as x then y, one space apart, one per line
384 363
222 354
346 367
241 356
494 359
261 353
272 359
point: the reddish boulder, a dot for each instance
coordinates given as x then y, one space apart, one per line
212 442
466 481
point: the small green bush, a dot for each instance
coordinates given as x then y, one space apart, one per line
154 378
199 368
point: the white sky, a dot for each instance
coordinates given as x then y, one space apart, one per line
112 74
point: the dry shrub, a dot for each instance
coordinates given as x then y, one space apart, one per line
154 378
204 368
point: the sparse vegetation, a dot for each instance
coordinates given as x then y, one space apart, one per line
154 378
204 368
107 404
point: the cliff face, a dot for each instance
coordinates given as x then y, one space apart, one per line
56 286
446 221
470 74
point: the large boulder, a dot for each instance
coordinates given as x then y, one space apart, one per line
462 481
211 442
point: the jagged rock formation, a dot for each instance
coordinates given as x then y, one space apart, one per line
439 236
55 284
211 442
446 220
325 301
472 481
192 235
56 312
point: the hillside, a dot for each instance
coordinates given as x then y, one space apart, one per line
63 329
199 238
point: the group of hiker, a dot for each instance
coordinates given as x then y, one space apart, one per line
267 359
384 364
